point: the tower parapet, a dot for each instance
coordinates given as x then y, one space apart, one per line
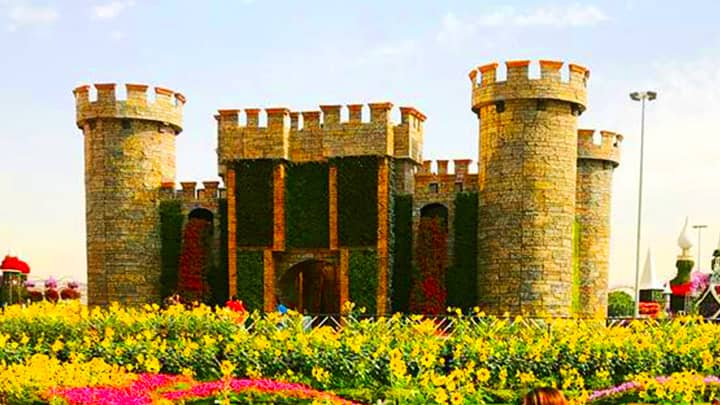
323 134
607 149
129 153
167 107
519 85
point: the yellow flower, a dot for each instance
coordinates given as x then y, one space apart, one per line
227 368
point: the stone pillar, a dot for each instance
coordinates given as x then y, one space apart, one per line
268 281
382 235
279 207
232 231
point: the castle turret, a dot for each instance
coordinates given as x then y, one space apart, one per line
597 158
526 186
129 153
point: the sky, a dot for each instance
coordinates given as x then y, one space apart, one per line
263 53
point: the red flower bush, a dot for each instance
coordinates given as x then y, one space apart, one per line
428 293
194 260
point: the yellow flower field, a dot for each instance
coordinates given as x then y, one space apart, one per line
476 359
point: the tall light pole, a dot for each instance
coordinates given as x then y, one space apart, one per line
699 228
640 96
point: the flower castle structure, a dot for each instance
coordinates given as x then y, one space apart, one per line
317 210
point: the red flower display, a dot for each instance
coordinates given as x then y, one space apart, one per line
428 294
68 293
194 260
13 263
649 308
52 295
681 289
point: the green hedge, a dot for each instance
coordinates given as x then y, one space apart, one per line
171 223
250 286
307 205
254 202
357 200
218 274
363 279
402 264
461 279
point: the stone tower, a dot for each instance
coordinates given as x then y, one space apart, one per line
129 153
596 160
526 186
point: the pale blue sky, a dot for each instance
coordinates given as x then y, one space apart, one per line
300 54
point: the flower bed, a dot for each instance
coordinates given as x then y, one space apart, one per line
476 360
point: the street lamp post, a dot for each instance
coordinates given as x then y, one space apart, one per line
699 229
640 96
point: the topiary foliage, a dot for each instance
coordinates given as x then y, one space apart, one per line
250 285
620 304
357 184
307 205
402 264
171 221
254 202
462 277
363 279
218 275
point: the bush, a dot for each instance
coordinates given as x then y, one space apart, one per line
620 304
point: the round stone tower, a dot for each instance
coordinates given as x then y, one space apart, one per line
129 153
526 186
597 157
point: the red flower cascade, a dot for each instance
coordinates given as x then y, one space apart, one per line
428 293
194 260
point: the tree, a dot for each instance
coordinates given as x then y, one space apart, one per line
620 304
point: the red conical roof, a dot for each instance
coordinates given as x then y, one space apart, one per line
13 263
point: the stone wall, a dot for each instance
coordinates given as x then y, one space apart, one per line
526 185
595 164
129 153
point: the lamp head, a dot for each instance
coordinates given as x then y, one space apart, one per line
635 96
651 95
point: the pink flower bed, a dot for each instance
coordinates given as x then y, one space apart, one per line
156 386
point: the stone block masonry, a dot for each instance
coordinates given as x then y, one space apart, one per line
526 186
129 153
596 160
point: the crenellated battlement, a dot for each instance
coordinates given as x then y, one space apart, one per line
605 147
166 107
193 197
461 167
442 184
518 84
320 134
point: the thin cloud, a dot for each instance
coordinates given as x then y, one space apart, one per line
20 14
111 10
454 28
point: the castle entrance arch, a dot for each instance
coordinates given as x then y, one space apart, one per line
311 286
435 210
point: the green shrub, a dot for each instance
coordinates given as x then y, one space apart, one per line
620 304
